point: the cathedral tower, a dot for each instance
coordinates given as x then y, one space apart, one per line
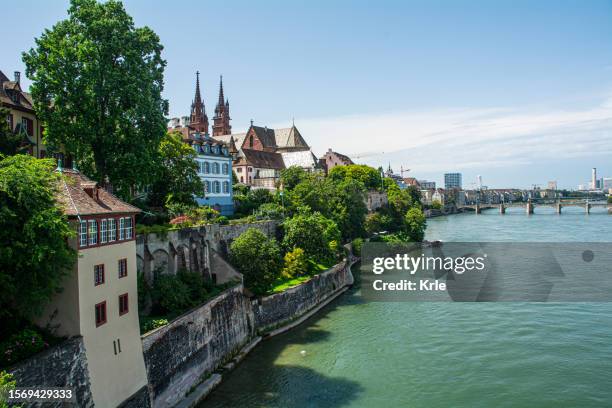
221 121
198 120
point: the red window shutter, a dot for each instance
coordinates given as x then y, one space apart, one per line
30 127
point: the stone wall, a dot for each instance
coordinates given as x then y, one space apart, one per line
191 248
64 365
276 310
181 354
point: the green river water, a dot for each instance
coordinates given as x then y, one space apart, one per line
365 354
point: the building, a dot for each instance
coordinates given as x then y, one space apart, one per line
594 179
376 199
332 159
263 152
214 160
21 117
99 300
427 185
552 185
452 180
411 181
214 157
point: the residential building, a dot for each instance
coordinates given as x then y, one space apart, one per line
214 160
332 159
21 117
552 185
411 181
99 300
427 185
452 180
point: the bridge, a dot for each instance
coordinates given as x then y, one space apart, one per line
529 206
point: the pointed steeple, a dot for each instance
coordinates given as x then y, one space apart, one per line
199 120
221 121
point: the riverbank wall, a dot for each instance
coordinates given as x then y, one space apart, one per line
188 356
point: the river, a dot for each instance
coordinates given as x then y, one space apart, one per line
359 354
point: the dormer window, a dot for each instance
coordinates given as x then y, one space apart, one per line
225 151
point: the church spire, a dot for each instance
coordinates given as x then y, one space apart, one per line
199 120
221 121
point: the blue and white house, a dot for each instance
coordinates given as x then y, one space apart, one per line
214 160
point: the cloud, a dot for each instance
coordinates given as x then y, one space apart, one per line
459 139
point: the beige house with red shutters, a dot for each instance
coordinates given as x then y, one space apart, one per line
99 301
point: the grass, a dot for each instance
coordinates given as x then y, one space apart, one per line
283 283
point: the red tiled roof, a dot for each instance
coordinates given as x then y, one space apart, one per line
74 196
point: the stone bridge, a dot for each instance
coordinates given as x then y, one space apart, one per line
529 206
197 249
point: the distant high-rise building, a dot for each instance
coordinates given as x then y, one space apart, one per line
479 182
594 179
552 185
452 180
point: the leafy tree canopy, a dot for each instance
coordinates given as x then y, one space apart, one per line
96 85
258 258
415 224
178 181
316 235
292 176
369 176
34 256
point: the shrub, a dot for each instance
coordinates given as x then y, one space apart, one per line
20 345
144 291
271 211
436 205
195 285
415 224
6 384
357 245
170 295
203 214
258 258
313 233
223 220
150 323
296 263
373 223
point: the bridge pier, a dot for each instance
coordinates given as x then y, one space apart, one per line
502 209
529 208
558 208
478 209
587 208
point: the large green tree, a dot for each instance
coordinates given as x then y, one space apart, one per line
258 258
9 142
178 179
96 84
317 235
369 176
34 255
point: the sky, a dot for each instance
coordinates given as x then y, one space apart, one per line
519 92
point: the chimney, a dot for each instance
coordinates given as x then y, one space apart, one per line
17 77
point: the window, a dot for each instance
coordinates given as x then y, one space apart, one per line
112 230
98 274
239 169
206 167
215 168
121 229
226 187
28 126
83 234
225 168
123 304
251 141
122 267
103 231
9 119
100 313
241 179
207 148
206 187
93 232
225 151
217 187
129 229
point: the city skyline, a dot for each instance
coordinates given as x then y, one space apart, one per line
433 87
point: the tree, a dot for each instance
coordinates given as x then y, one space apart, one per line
313 233
348 207
35 255
178 180
296 263
415 224
10 142
292 176
258 258
96 85
368 176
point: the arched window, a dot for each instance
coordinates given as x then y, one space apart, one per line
217 187
241 179
225 168
206 167
215 168
226 187
206 187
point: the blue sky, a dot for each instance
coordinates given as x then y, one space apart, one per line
519 92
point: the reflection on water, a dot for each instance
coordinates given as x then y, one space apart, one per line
360 354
